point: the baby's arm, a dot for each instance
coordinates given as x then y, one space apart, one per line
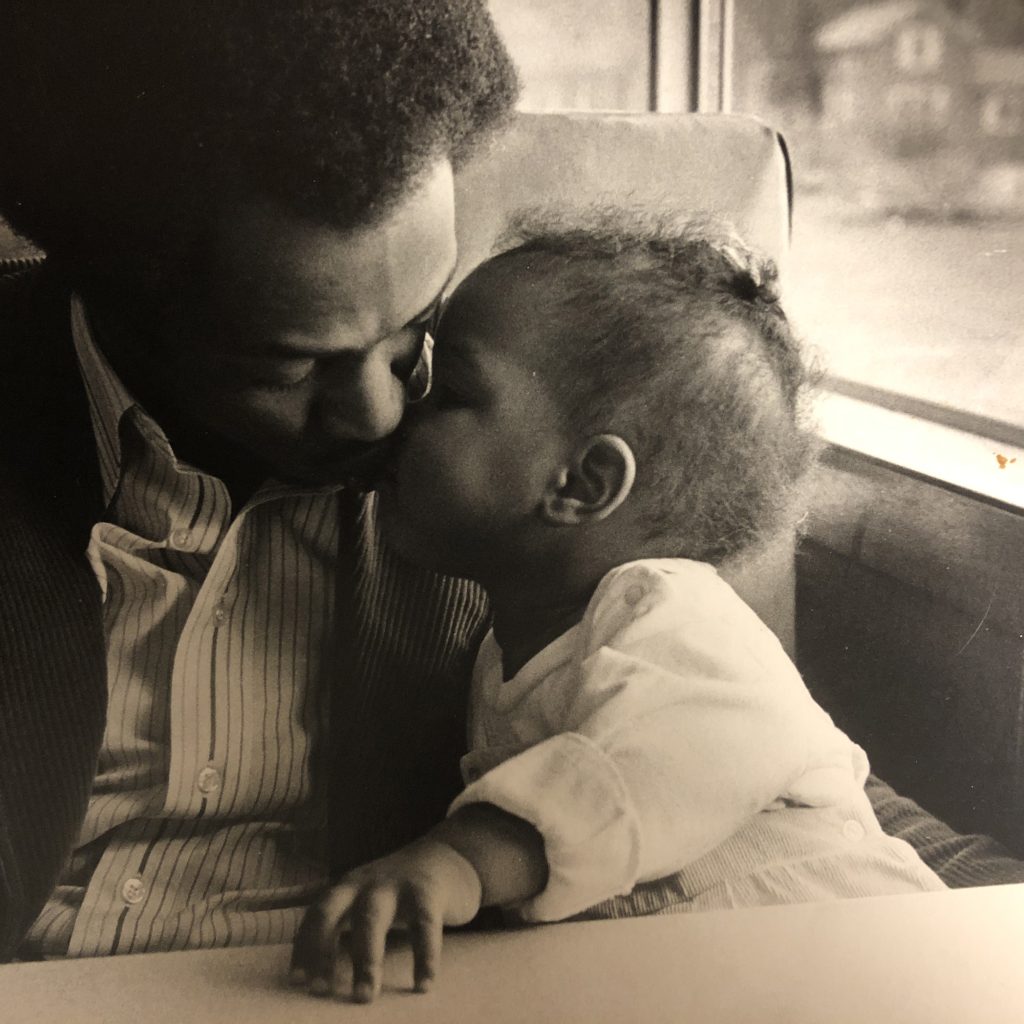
478 856
676 719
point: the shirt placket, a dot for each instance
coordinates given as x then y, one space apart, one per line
187 634
194 510
196 780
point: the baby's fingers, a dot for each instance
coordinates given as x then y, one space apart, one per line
315 951
371 917
426 925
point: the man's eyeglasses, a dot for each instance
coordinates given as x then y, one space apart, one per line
418 384
417 387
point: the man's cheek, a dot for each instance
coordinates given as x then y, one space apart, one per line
285 414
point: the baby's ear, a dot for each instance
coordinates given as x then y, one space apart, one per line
593 485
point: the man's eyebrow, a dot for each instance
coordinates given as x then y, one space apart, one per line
275 349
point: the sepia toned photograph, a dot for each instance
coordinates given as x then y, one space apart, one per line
512 510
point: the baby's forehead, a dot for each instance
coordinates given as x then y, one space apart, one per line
484 285
502 271
506 307
526 287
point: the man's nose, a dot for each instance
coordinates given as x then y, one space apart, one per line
365 401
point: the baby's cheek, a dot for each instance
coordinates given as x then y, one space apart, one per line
434 452
424 479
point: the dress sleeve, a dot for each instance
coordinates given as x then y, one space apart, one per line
683 719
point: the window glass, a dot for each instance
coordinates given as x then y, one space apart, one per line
904 122
578 54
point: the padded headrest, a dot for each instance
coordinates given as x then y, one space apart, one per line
734 167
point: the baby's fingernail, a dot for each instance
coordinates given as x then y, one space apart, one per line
320 987
362 992
296 976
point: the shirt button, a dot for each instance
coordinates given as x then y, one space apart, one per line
181 538
853 830
208 780
220 615
133 891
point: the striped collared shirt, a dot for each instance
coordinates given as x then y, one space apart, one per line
206 822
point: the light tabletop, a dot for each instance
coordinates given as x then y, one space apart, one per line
921 959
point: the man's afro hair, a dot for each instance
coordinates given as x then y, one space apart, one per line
124 122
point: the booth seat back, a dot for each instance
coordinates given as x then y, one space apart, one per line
910 623
685 164
681 163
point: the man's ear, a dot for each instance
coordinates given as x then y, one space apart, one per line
593 485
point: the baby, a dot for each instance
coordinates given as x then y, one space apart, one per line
615 410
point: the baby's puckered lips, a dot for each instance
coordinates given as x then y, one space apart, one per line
373 467
359 466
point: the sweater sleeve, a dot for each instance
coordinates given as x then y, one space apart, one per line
959 860
681 720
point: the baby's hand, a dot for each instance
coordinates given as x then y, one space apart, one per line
426 884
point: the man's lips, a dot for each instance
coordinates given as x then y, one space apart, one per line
364 470
359 467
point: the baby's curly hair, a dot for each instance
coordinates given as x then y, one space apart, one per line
673 337
124 124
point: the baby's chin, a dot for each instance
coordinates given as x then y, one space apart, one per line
402 535
397 531
389 519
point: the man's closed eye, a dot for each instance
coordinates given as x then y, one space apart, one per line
281 374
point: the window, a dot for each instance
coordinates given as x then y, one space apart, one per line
919 104
579 54
919 48
906 260
846 104
1003 114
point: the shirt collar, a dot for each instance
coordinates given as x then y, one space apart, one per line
109 402
108 398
